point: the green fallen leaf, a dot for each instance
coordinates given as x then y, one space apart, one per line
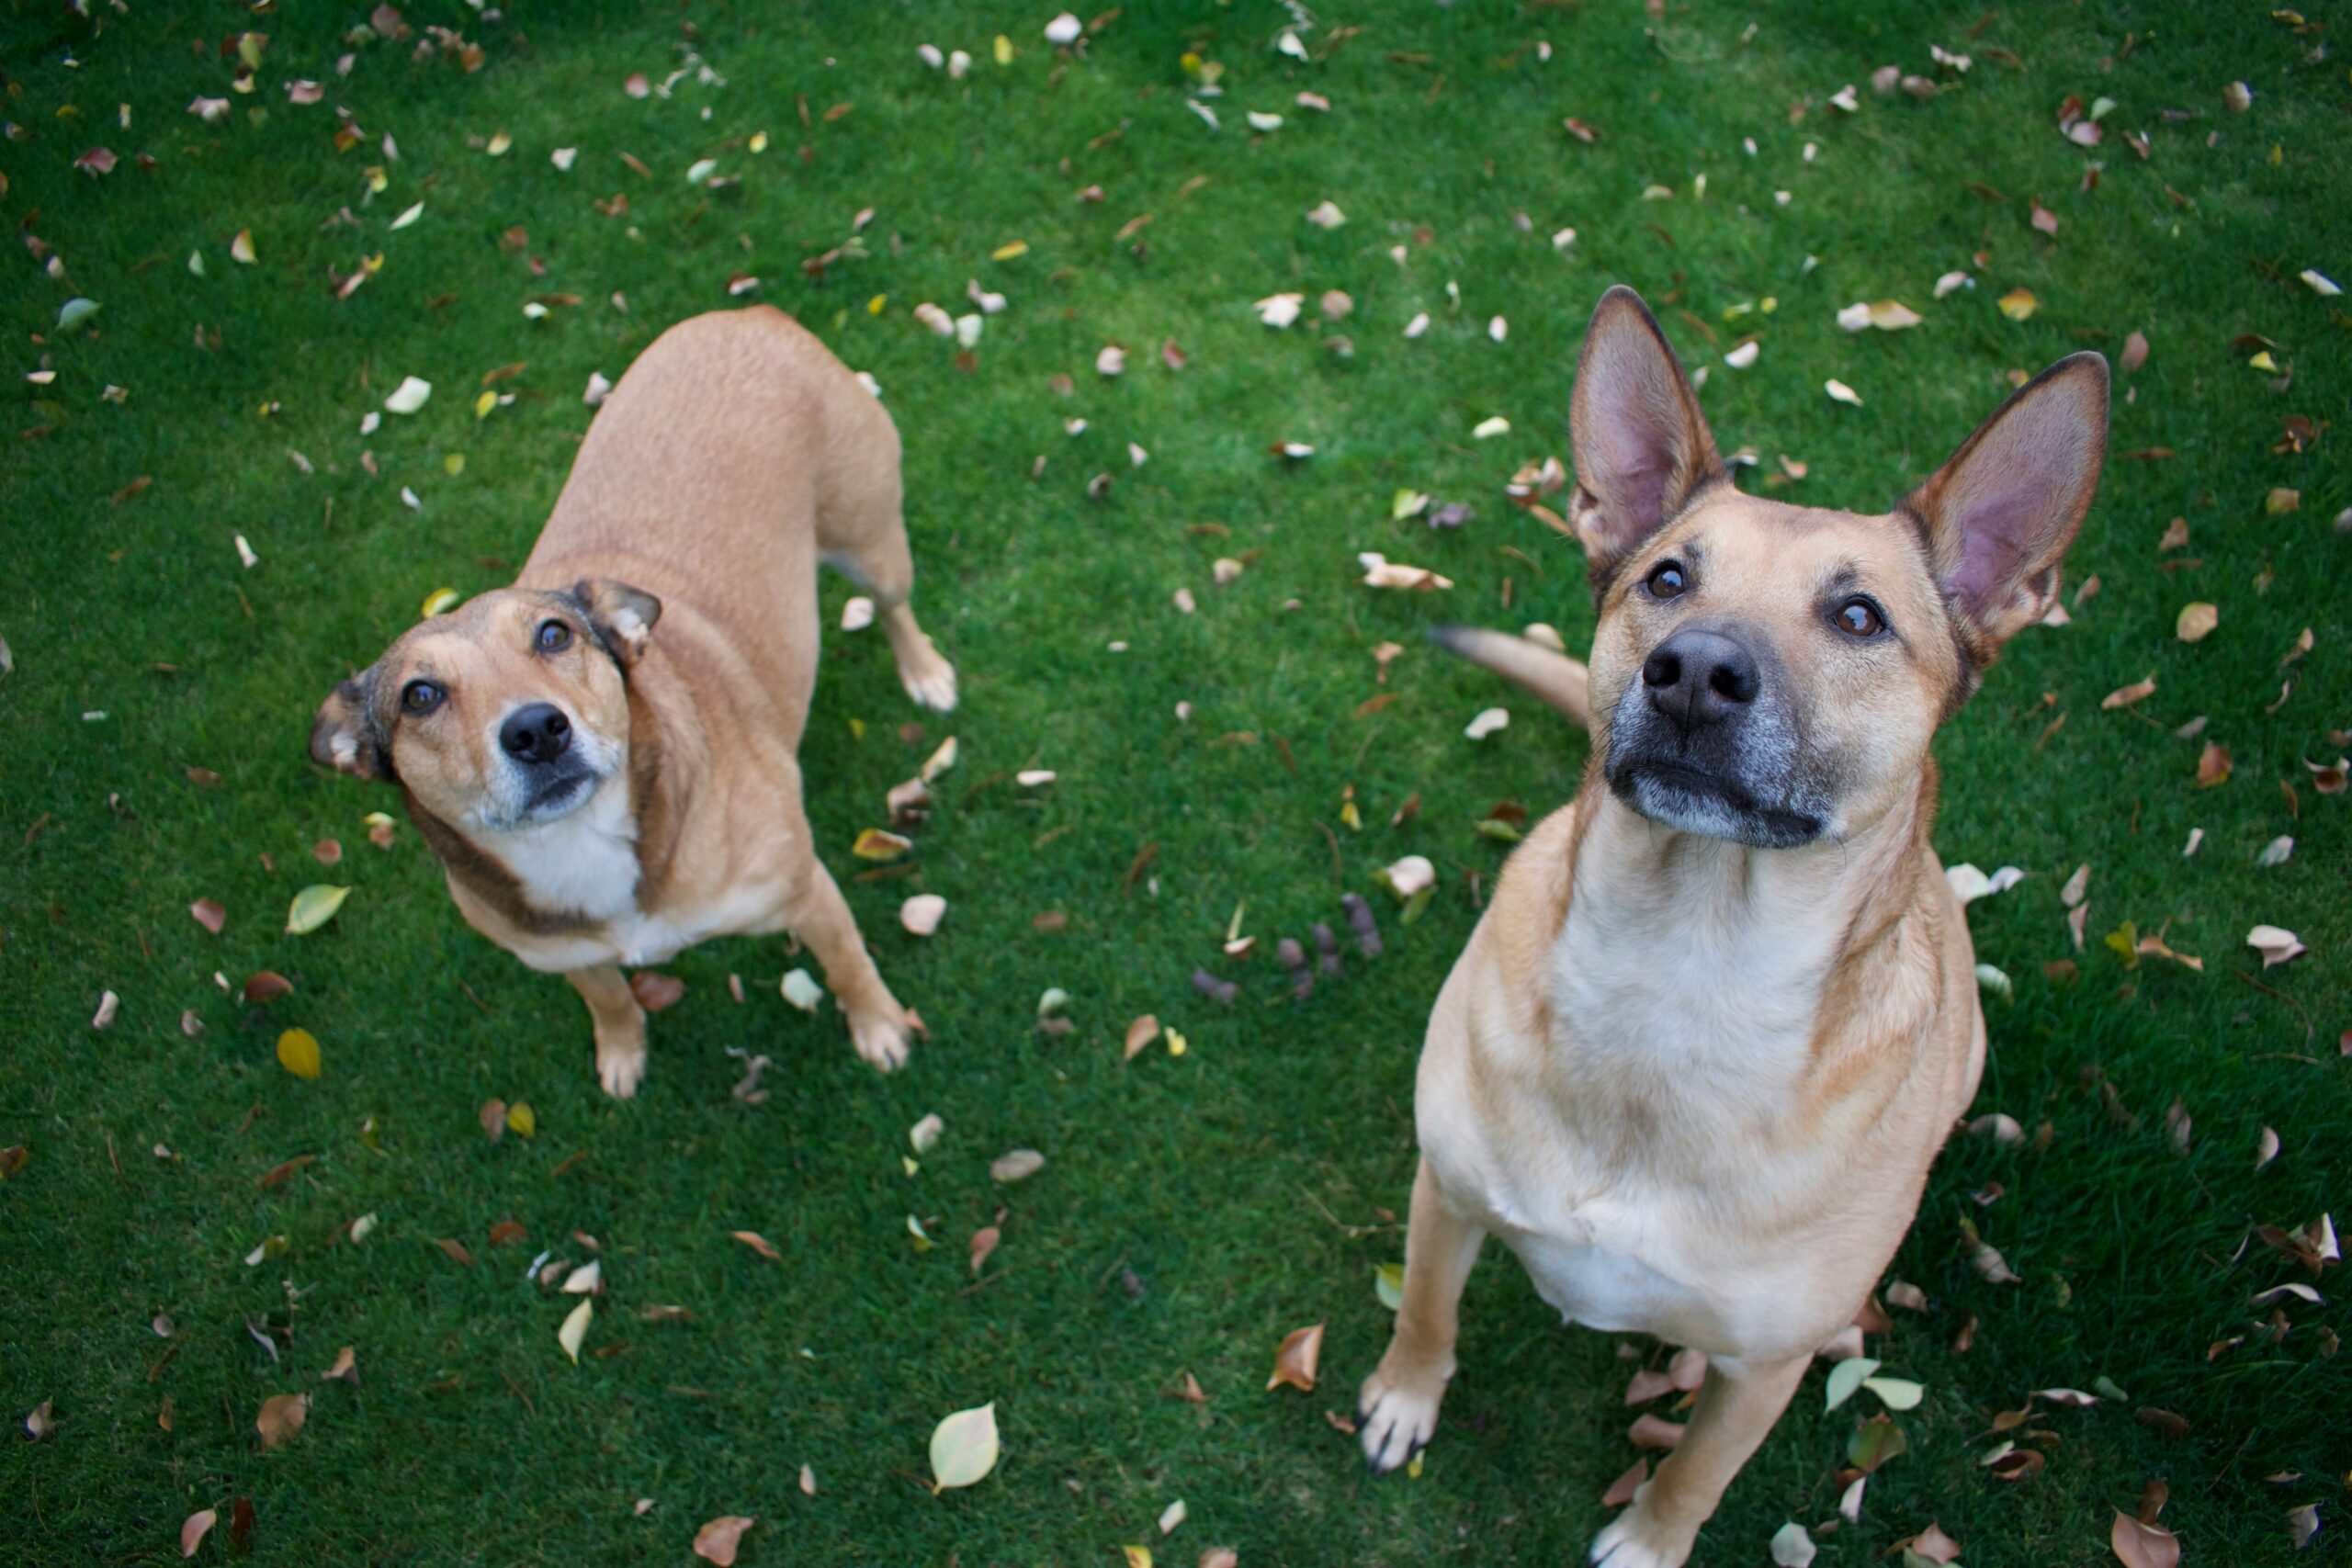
314 906
75 312
1895 1393
1874 1442
1846 1377
1388 1284
964 1448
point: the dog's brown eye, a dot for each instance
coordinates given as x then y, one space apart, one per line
1860 618
421 696
1666 580
554 636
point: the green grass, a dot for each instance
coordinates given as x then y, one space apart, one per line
1192 1210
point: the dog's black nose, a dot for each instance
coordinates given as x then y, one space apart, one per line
1699 677
536 734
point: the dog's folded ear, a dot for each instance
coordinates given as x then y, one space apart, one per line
2002 510
1642 448
347 736
623 616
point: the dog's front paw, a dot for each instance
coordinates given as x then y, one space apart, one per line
1396 1417
930 680
620 1067
1639 1539
880 1036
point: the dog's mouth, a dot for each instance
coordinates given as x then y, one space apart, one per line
558 796
1693 800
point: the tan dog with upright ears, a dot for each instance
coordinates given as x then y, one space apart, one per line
1702 1047
604 755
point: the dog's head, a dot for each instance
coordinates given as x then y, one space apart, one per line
1772 673
507 712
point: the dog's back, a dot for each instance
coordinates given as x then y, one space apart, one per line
714 474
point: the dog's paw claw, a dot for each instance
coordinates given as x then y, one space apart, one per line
881 1040
1394 1422
620 1072
933 687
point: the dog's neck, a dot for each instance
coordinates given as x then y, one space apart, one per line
1694 971
601 862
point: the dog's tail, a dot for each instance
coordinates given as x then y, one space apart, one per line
1550 674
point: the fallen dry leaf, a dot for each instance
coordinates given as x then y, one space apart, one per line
2141 1545
282 1416
194 1528
2124 696
1620 1491
984 1242
758 1243
654 990
1295 1360
1018 1165
718 1540
2276 944
2195 621
1653 1432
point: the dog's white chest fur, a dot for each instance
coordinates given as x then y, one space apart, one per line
1713 1006
586 864
1682 1032
583 864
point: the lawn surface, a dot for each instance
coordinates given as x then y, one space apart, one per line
1192 1209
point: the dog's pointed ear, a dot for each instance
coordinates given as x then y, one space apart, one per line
1642 448
623 616
2002 510
347 736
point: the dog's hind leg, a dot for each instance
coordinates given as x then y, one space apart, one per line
620 1027
1397 1411
1737 1405
818 916
862 528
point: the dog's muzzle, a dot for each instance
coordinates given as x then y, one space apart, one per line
1707 743
549 776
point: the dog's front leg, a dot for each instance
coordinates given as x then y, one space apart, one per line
1737 1405
818 916
1397 1411
620 1027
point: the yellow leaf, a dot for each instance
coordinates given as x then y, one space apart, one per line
440 602
298 1053
454 464
575 1328
2262 361
1003 48
483 404
964 1448
759 142
2195 621
1176 1042
242 248
2280 502
522 1119
874 843
1008 252
878 304
314 906
1137 1556
2019 303
499 143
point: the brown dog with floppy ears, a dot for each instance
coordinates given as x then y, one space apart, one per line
604 755
1703 1045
